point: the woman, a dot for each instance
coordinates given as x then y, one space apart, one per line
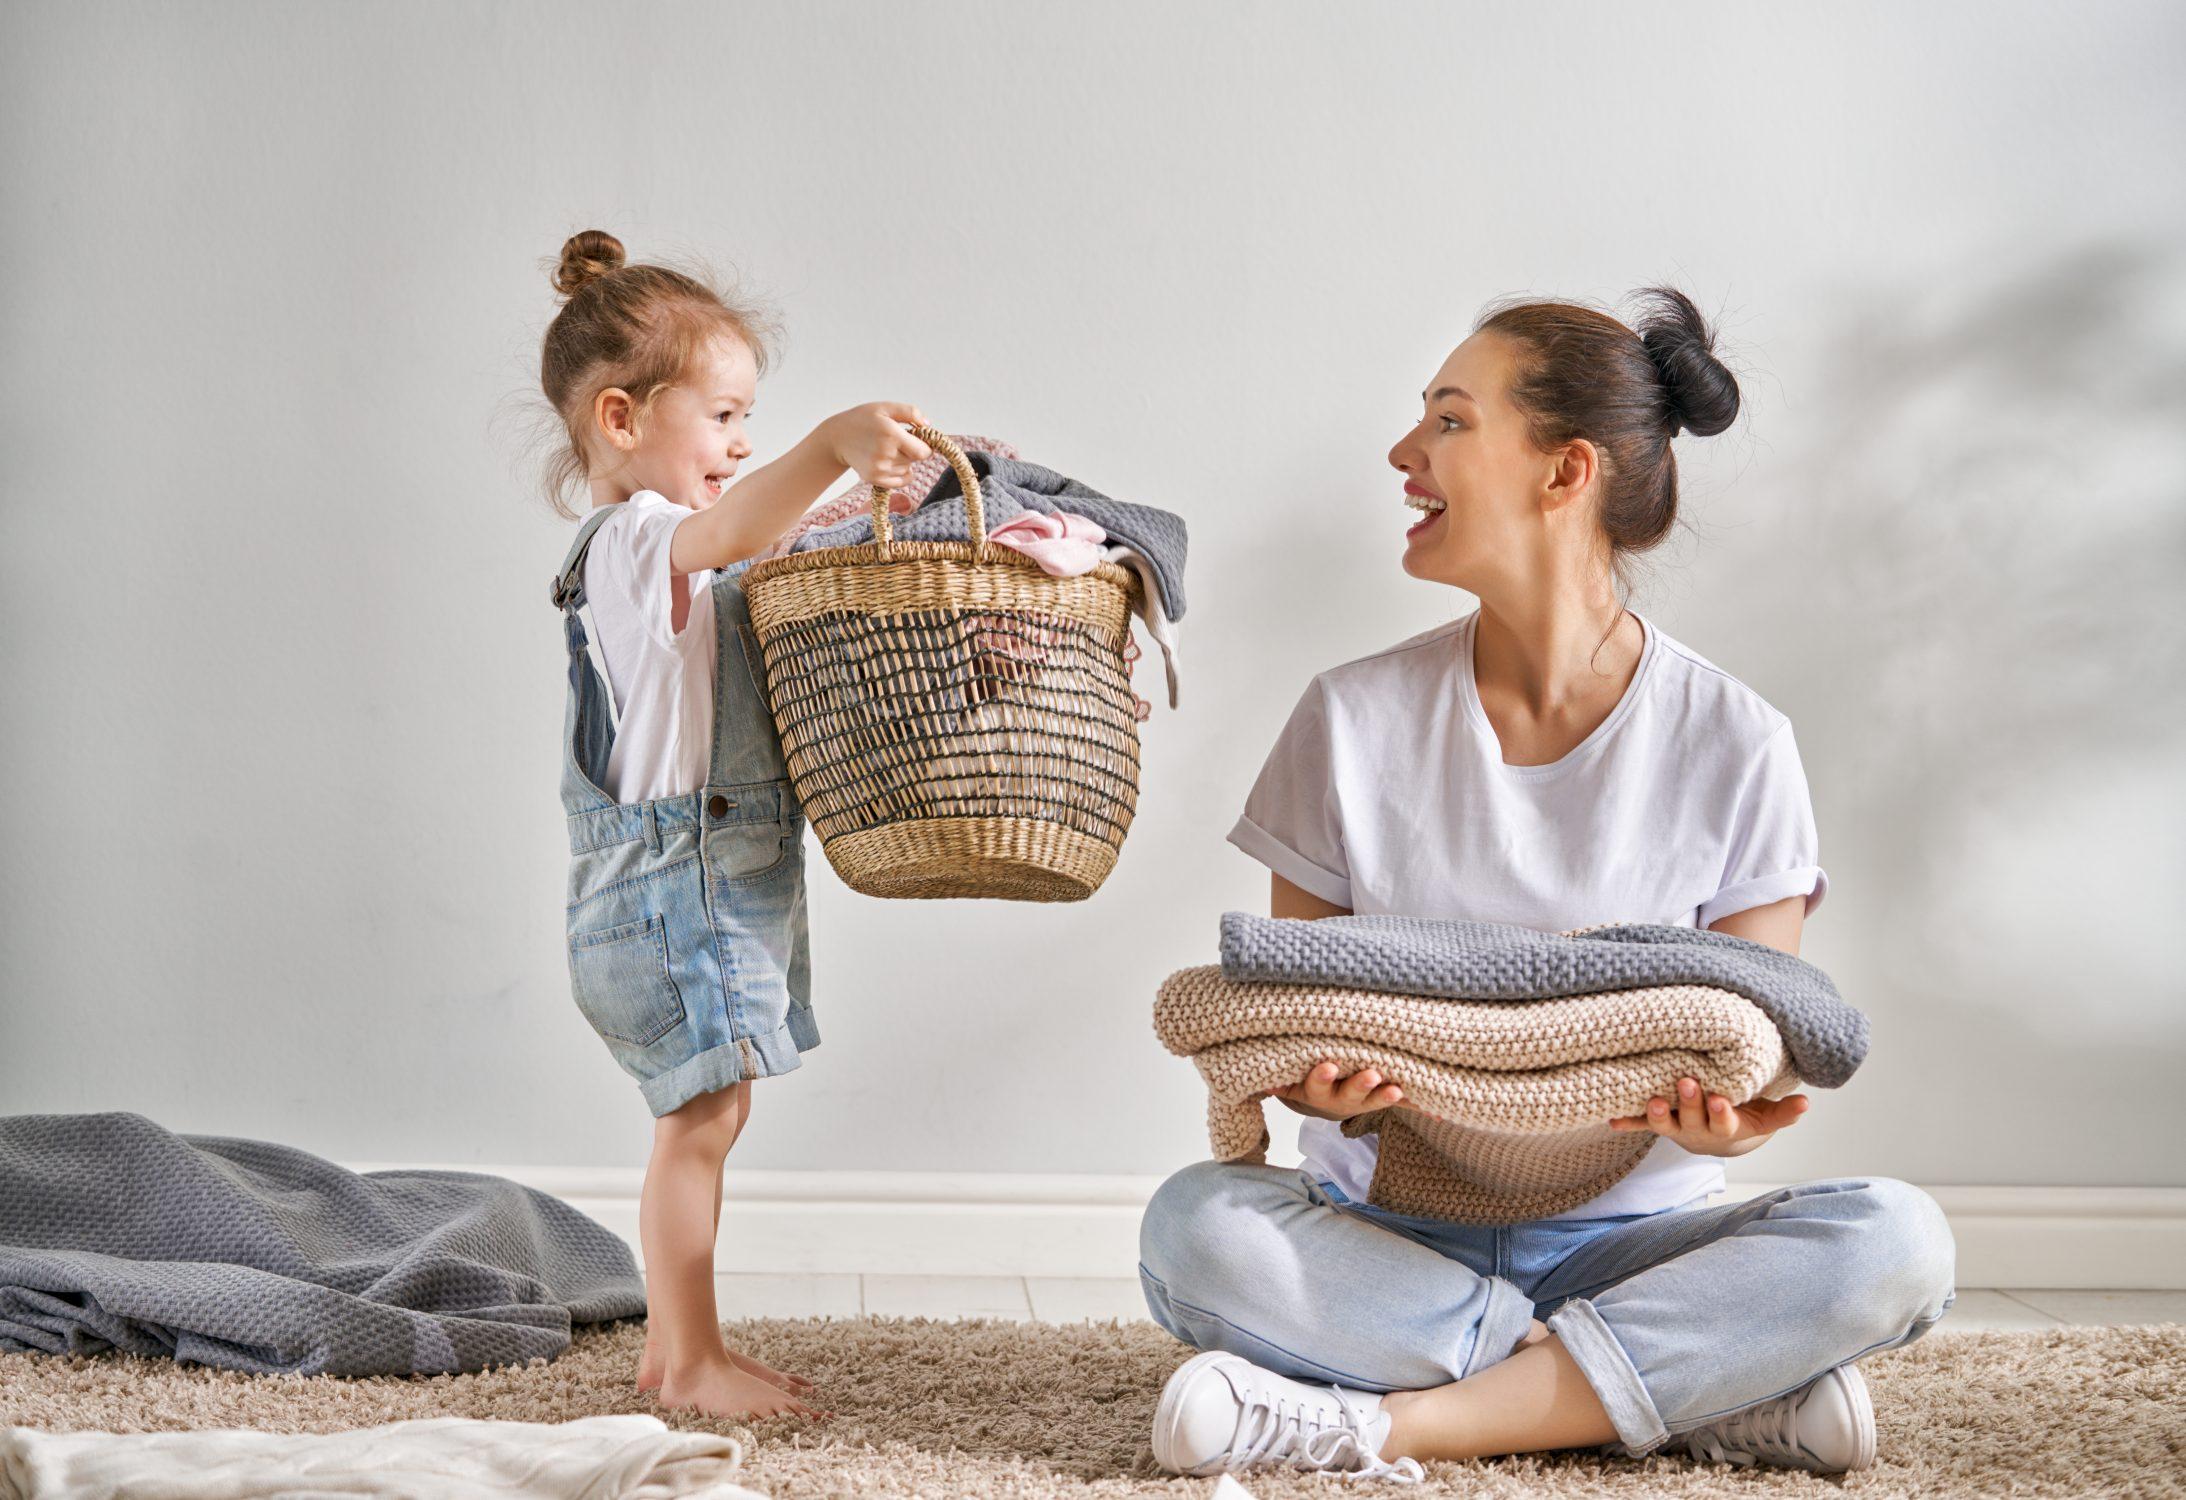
1554 761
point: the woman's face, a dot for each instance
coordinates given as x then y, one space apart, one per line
1471 471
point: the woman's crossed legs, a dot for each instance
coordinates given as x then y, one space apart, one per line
1655 1324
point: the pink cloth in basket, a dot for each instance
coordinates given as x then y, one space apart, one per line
1063 544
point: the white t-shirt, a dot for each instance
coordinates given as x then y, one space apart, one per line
1387 794
662 678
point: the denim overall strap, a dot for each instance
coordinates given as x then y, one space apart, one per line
589 718
746 763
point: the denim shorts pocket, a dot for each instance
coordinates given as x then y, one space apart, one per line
746 853
620 978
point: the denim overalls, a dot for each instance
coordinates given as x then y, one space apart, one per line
688 944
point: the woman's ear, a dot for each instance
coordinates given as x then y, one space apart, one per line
615 414
1572 472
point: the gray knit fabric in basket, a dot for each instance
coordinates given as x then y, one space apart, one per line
1008 487
246 1255
1827 1038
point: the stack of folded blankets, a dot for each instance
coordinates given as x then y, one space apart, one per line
1514 1048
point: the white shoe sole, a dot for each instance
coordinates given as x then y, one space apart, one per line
1172 1402
1856 1383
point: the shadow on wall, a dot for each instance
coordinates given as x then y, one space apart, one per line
1974 573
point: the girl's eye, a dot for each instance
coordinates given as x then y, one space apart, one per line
1449 422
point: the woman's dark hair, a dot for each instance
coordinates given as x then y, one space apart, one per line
1582 374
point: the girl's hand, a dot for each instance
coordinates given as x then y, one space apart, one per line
875 440
1325 1096
1713 1126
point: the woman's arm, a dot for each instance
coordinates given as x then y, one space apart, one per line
1777 924
1710 1124
1325 1093
1286 900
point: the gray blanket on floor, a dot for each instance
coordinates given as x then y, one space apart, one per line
1827 1038
244 1255
1008 487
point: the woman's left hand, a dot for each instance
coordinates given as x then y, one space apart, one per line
1712 1125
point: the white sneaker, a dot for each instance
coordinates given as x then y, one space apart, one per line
1827 1425
1221 1412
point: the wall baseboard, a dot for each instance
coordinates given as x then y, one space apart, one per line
1075 1224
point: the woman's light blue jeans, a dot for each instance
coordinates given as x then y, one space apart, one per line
1675 1318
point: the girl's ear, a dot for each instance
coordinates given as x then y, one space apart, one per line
615 414
1573 469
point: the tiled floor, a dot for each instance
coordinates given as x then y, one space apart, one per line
1073 1299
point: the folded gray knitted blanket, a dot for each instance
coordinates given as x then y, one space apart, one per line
245 1255
1008 487
1826 1038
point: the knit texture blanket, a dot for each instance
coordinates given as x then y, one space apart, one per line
245 1255
1509 1092
1494 961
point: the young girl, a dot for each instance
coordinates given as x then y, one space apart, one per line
687 930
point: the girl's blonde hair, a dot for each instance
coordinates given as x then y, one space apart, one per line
634 328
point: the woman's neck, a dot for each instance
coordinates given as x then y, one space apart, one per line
1555 654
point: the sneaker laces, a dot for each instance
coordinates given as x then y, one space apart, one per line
1305 1436
1770 1430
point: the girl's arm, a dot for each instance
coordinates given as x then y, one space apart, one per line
765 503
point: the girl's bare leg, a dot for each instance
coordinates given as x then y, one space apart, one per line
1533 1400
678 1219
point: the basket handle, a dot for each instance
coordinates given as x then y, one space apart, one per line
884 533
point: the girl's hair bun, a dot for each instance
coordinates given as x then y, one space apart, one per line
586 256
1703 394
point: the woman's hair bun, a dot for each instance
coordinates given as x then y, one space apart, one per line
586 256
1703 394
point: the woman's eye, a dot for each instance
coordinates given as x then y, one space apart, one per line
1449 422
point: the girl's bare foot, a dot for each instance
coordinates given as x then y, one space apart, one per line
652 1367
720 1389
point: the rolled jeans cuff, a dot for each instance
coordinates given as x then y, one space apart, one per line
1506 1319
1602 1360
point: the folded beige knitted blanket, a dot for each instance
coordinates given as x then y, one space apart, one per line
1508 1102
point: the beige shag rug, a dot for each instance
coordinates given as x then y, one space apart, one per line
950 1409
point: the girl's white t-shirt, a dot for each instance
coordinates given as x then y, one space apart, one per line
1387 794
661 677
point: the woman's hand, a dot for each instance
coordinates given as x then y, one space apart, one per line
1713 1126
876 441
1325 1095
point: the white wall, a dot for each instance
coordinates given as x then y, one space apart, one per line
282 851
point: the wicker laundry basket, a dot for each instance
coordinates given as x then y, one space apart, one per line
956 721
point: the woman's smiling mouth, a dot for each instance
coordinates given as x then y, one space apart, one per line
1421 500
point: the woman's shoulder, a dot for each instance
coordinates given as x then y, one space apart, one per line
1428 654
1706 699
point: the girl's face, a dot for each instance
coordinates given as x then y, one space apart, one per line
1472 472
689 445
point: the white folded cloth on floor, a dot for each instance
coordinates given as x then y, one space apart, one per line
633 1457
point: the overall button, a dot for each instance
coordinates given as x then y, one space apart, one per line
717 806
